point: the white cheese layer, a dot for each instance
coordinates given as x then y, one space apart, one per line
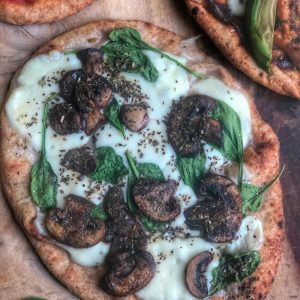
237 7
24 109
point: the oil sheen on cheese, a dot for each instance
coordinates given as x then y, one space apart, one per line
39 78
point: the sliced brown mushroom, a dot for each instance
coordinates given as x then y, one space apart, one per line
129 273
125 232
218 211
155 198
81 160
134 116
92 60
194 277
64 119
95 92
93 120
189 123
68 83
74 226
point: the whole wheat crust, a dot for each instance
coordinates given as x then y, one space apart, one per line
39 11
261 156
282 81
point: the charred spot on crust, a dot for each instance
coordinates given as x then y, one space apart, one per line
74 225
81 160
92 60
134 116
218 211
155 198
64 119
222 12
194 275
189 123
194 11
128 273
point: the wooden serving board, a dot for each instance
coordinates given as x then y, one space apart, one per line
21 272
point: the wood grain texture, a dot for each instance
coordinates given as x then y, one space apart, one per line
21 272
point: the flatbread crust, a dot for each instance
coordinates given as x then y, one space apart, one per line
282 81
39 11
262 158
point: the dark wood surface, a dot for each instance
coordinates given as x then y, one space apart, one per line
21 272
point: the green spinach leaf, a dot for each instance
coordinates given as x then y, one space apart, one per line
124 52
147 170
232 148
110 167
99 213
233 268
33 298
123 57
112 115
43 179
191 169
253 195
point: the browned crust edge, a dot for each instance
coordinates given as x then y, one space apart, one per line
286 82
262 159
40 11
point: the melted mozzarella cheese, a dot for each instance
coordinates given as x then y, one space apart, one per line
150 145
172 258
37 80
237 7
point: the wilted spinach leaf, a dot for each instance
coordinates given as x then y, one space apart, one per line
43 179
112 115
110 167
191 168
233 268
232 148
99 213
124 52
252 195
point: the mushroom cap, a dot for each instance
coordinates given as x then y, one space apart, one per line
68 84
64 119
194 276
93 93
189 123
129 273
74 225
92 60
81 160
155 198
218 211
124 232
134 116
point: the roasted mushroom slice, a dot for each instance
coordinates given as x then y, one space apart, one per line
194 276
93 120
64 119
218 211
81 160
189 123
92 60
129 273
134 116
95 92
155 198
68 83
74 226
125 232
